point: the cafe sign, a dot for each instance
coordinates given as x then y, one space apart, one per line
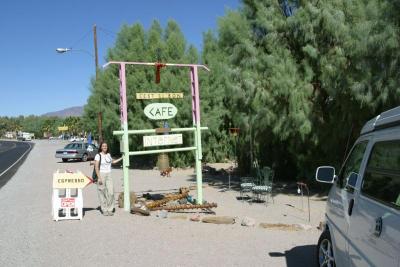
160 111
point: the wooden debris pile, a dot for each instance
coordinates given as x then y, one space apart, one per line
176 201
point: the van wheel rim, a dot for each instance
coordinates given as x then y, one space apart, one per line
325 254
84 158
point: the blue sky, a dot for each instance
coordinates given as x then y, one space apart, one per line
35 80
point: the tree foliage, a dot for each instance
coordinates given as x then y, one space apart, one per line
299 78
301 85
41 125
134 43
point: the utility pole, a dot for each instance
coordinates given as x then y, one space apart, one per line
96 58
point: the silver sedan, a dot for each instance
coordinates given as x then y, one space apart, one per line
77 150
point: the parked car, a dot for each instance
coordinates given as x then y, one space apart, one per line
77 150
73 139
362 225
25 136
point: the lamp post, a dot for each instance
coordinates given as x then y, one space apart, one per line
96 62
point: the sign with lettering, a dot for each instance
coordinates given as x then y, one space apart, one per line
68 202
162 140
63 128
158 95
70 180
160 111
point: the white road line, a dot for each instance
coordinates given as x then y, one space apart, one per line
30 147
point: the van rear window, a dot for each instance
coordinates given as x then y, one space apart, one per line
382 175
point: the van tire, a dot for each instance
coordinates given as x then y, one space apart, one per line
64 160
325 250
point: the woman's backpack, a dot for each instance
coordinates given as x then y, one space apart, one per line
94 174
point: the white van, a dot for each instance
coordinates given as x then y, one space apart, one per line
363 208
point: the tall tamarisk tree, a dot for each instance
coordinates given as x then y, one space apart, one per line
302 83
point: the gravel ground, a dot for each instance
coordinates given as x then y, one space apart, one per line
29 236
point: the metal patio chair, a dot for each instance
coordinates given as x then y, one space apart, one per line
263 190
247 183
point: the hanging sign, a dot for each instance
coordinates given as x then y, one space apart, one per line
70 180
158 95
162 140
160 111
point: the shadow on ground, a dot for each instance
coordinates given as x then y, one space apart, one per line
300 256
223 182
90 209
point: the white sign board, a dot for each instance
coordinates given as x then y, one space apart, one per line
160 111
162 140
70 180
158 95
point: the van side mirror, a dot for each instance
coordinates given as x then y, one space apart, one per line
325 174
352 180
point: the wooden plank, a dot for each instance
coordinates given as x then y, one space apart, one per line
163 130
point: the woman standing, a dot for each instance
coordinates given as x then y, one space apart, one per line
105 185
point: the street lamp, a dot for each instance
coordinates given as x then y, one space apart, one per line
96 62
63 50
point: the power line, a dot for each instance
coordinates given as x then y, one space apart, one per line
80 39
108 32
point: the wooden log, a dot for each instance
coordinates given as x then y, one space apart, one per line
281 226
133 199
219 220
186 207
144 212
184 193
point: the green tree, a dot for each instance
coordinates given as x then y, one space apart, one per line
299 86
135 44
75 125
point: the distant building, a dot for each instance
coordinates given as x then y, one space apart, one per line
10 135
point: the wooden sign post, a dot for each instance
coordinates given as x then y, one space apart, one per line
160 111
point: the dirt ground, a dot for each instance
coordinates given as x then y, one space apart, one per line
30 237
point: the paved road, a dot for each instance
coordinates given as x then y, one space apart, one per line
12 154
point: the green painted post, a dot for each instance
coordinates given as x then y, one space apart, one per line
197 134
125 139
199 174
124 133
149 131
